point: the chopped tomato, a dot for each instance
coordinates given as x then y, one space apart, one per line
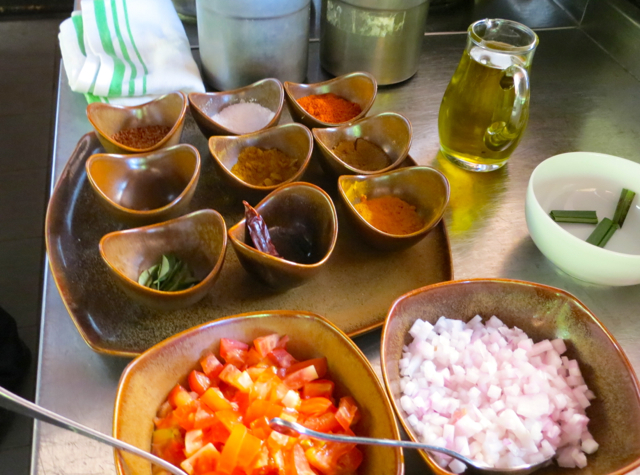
211 365
199 382
229 456
236 378
216 433
296 462
348 412
168 444
179 396
215 400
253 358
203 461
318 388
233 352
249 450
315 406
261 408
297 379
260 428
265 344
282 343
193 442
349 462
203 418
241 402
282 358
324 423
230 419
320 364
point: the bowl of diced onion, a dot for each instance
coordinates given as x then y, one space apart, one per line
511 373
585 182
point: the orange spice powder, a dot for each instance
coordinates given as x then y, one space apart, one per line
390 214
330 107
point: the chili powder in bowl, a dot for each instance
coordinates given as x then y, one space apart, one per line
338 101
397 209
139 129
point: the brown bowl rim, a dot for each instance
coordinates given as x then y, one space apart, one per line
130 368
253 250
422 230
153 292
362 114
232 92
383 355
151 212
165 139
357 171
228 173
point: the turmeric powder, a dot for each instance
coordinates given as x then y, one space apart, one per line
330 107
390 214
262 167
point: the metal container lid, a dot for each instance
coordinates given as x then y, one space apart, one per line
384 4
253 9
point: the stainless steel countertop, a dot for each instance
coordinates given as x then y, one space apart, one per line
581 100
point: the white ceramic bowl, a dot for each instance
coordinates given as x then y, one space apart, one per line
586 181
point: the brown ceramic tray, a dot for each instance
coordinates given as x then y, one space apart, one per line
354 290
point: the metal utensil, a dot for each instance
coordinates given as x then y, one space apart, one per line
294 429
16 404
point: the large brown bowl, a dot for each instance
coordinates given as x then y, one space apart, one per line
168 110
358 87
423 187
301 208
389 131
543 313
294 140
204 106
199 239
146 382
148 187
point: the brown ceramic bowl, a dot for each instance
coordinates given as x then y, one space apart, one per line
268 93
425 188
168 110
359 87
543 313
199 239
145 188
294 140
146 382
389 131
297 209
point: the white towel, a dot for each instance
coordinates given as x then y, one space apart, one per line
127 51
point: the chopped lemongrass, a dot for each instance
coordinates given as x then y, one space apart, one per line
605 239
600 232
624 203
574 216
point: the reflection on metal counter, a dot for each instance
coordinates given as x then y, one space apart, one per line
383 37
244 41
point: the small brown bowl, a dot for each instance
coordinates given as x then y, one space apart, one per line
199 239
295 209
425 188
168 110
389 131
145 188
146 382
268 93
293 140
543 313
358 87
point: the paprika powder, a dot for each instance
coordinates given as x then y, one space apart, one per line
330 107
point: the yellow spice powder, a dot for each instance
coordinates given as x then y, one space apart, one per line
390 215
261 167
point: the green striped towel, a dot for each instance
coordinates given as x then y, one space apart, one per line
127 51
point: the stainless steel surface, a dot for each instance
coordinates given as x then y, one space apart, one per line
16 404
244 41
383 38
293 428
581 100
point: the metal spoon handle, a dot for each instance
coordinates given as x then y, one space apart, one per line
276 423
15 403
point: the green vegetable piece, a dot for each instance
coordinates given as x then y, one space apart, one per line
574 216
145 278
170 275
624 204
165 268
600 232
605 239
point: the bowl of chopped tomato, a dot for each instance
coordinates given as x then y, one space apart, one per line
202 400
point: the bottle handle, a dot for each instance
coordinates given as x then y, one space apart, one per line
500 135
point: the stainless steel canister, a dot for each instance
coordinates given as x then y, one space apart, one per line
383 37
243 41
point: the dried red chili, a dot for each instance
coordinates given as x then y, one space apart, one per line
258 231
141 137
